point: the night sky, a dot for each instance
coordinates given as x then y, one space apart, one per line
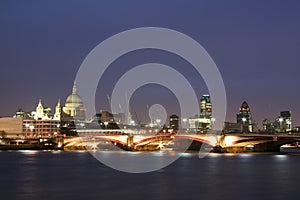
255 44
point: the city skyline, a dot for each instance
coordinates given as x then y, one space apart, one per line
256 52
157 99
71 108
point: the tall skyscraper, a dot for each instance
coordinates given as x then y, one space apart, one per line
202 122
244 117
205 107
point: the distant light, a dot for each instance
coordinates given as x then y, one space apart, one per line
281 119
31 127
160 145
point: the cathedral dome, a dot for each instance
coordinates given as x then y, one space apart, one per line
74 99
74 105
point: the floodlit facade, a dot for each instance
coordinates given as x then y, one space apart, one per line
40 128
40 122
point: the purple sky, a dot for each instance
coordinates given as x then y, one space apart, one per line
255 45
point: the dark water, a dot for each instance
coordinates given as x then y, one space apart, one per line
77 175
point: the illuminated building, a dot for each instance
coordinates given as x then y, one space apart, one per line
202 122
57 115
74 105
21 114
40 128
268 126
244 117
283 123
10 127
199 124
205 107
41 113
244 122
174 122
41 122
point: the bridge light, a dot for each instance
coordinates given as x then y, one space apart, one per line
160 145
105 123
228 141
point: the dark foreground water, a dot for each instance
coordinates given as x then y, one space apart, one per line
77 175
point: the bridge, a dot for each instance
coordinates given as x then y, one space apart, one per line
257 142
110 139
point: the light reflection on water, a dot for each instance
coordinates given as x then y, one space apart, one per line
77 175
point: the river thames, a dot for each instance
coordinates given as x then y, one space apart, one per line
77 175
